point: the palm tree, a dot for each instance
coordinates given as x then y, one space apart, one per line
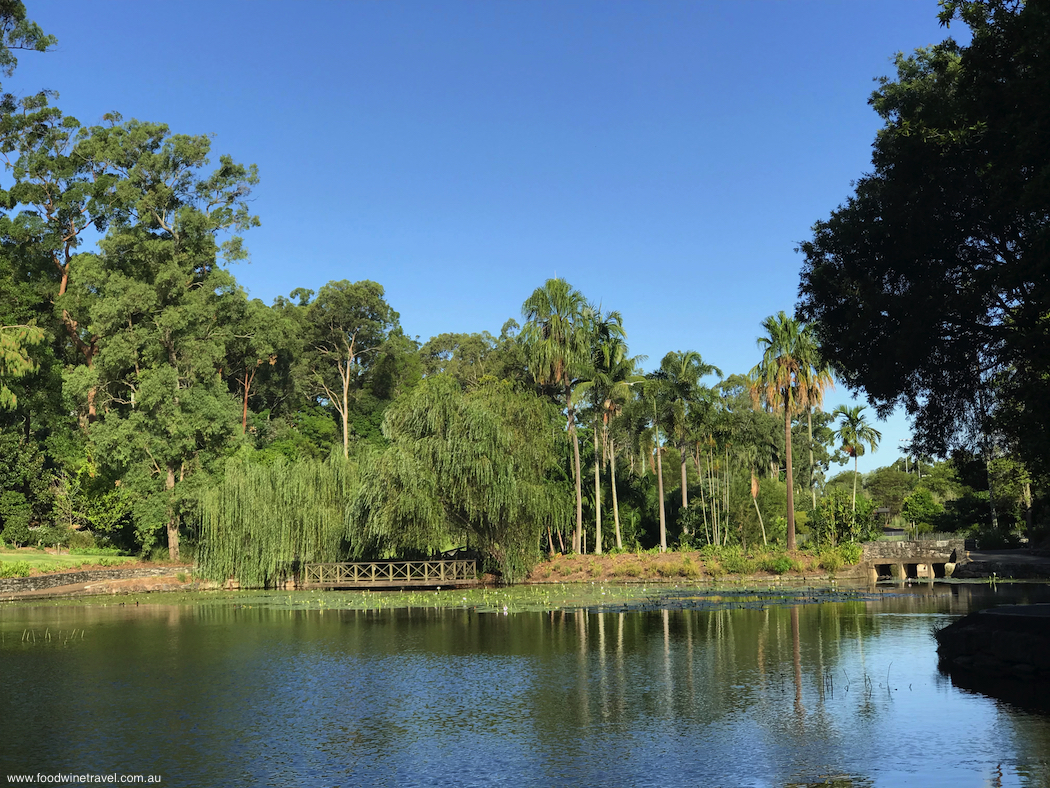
777 383
556 337
655 394
854 431
682 373
814 379
612 373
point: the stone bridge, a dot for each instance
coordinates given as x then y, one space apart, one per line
919 559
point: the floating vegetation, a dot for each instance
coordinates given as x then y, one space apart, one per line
721 599
591 597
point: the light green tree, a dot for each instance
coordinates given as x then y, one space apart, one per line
478 464
15 360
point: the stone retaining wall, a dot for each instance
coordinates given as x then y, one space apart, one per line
41 582
941 551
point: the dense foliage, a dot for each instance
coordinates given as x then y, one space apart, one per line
148 404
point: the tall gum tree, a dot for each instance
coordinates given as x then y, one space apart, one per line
347 324
157 298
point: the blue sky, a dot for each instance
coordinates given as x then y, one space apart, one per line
663 157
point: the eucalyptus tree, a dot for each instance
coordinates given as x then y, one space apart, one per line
779 384
854 431
157 298
257 335
557 340
682 373
346 326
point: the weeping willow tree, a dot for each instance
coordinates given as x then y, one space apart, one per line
480 465
263 519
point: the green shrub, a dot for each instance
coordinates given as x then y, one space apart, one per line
95 551
15 513
778 564
16 569
629 569
830 560
851 552
80 540
688 568
736 563
714 568
669 569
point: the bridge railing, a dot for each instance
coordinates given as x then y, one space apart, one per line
390 573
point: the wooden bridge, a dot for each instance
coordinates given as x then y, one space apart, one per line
444 573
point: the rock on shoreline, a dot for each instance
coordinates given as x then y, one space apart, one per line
1007 641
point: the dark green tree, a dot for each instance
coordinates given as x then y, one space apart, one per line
930 286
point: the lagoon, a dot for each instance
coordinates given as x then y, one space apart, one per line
559 686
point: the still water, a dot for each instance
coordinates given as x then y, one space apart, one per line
671 693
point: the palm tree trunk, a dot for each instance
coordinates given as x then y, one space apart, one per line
616 506
597 496
855 474
812 476
727 491
660 491
577 476
703 503
790 478
714 502
685 493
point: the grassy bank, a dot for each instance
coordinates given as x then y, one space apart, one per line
28 560
709 564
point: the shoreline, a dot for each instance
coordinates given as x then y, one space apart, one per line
627 569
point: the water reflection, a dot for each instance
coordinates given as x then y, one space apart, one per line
843 694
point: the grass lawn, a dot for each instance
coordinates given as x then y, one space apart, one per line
49 562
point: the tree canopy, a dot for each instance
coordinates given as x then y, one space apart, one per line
930 286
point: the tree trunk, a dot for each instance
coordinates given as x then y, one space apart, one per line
597 496
991 488
247 382
1026 494
812 476
685 494
703 503
660 490
579 480
790 479
345 414
616 506
855 475
173 522
754 500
